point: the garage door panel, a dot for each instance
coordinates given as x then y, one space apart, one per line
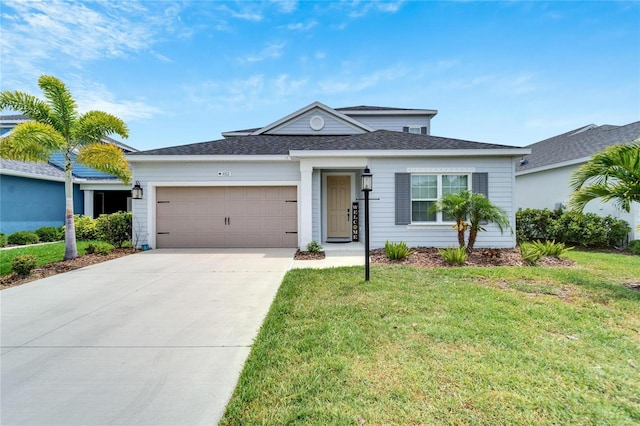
226 217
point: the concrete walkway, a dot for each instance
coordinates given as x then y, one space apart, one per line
155 338
336 255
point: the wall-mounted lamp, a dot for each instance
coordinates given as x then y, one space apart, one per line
136 191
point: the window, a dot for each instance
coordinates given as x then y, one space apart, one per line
427 188
415 130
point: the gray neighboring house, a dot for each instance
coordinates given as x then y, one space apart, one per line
542 177
298 180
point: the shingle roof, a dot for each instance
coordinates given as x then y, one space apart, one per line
281 145
579 143
15 117
374 108
38 169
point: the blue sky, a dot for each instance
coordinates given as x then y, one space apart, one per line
182 72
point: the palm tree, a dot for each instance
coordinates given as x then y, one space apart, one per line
58 127
611 175
483 211
456 205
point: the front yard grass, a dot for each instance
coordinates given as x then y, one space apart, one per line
504 345
45 253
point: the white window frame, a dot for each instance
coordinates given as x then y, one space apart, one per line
439 176
412 129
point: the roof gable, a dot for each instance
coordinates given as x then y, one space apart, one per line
315 119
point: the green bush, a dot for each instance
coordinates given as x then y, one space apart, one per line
454 255
86 228
396 251
99 248
551 248
570 227
22 238
48 234
115 228
314 247
634 246
24 264
3 240
531 252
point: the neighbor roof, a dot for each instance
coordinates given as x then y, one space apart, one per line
577 144
283 144
15 167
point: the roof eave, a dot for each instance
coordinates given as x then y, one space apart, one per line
514 152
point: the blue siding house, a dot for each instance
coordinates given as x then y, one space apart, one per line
32 194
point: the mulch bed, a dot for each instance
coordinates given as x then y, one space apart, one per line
63 266
430 258
307 255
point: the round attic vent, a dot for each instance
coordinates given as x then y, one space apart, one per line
316 122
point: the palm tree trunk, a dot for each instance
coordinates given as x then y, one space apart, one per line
70 249
473 234
461 236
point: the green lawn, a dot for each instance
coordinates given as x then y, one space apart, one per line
45 253
463 346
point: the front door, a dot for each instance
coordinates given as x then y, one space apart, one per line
338 206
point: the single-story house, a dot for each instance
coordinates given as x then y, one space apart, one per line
298 180
542 177
32 194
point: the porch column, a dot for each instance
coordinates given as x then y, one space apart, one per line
305 228
88 202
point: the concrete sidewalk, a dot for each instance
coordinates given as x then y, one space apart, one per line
336 255
154 338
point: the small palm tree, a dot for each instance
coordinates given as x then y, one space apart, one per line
483 211
58 127
611 175
456 205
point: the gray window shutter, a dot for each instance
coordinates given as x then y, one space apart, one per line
403 198
480 183
405 129
423 130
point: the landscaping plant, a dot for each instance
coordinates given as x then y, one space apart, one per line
634 246
396 251
49 234
24 264
531 252
454 255
3 240
115 228
22 238
99 247
314 247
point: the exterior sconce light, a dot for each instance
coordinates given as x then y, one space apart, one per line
136 191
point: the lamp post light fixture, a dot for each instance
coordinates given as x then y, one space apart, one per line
136 191
367 187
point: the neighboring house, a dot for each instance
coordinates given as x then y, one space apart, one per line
542 177
32 194
298 180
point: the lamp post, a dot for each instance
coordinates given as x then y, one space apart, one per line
367 187
136 191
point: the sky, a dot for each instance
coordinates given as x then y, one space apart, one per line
180 72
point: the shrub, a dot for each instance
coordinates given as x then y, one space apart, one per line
22 238
24 264
396 251
314 247
551 248
3 240
49 234
570 227
99 248
85 228
114 228
454 255
530 252
634 246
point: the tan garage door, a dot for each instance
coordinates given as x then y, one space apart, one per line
248 216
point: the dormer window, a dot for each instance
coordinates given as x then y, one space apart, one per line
415 130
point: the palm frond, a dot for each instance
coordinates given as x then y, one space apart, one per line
31 141
26 104
107 158
93 126
61 102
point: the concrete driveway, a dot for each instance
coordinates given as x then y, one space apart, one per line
155 338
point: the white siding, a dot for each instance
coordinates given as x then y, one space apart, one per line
382 213
545 189
395 123
316 232
198 174
300 126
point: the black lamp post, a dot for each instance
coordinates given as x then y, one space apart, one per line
136 191
367 187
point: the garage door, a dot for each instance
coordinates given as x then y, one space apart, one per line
253 216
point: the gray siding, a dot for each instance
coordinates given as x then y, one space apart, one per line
383 228
300 126
394 123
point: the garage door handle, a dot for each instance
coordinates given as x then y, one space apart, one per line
164 233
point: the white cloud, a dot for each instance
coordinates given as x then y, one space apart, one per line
349 83
286 6
271 51
302 27
248 12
